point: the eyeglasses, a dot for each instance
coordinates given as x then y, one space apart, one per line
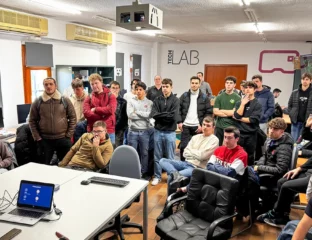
98 132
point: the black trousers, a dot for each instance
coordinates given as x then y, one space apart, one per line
186 135
219 132
288 189
61 146
248 141
119 137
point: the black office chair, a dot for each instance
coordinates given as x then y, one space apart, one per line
208 212
125 162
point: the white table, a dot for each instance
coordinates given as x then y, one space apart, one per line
86 208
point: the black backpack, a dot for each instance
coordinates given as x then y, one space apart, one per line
278 111
62 101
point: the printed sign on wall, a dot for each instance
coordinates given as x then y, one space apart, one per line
189 57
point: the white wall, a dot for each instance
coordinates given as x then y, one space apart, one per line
230 53
130 46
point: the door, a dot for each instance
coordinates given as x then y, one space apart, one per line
215 75
33 79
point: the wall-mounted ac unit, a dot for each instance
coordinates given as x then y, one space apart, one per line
18 22
76 32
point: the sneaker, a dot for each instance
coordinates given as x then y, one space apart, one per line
155 181
146 177
277 222
268 215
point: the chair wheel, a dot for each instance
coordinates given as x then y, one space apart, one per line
127 219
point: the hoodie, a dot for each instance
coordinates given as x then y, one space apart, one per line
266 99
105 105
277 157
78 105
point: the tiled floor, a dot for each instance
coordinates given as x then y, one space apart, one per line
156 201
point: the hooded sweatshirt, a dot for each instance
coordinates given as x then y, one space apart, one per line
78 105
138 112
266 99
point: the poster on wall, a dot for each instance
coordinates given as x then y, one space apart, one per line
135 66
120 69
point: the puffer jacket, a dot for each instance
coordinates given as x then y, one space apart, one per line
105 105
277 157
293 105
203 106
52 120
121 114
266 99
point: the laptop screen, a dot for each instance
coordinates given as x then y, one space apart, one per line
35 195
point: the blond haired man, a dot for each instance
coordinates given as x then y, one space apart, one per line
100 105
78 97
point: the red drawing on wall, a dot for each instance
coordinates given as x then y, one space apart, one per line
290 55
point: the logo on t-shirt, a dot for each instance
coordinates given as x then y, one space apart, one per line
232 101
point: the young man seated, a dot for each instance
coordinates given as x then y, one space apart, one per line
92 151
197 152
6 158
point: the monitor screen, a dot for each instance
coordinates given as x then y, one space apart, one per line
35 195
22 112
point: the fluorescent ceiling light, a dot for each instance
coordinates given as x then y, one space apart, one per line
57 5
167 37
258 28
147 32
104 19
251 14
243 2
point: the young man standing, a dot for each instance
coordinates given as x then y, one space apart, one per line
165 111
154 91
223 107
92 151
194 106
300 105
139 110
101 105
132 93
121 114
204 86
77 98
52 121
266 99
247 115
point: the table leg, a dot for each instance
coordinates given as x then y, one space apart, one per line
145 214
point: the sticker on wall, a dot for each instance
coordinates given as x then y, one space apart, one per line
277 61
137 72
118 72
189 57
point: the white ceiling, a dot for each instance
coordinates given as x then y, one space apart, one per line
195 20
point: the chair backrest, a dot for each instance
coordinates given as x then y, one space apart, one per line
125 162
211 195
294 158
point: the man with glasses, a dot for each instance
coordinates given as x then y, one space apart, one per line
92 151
52 122
121 114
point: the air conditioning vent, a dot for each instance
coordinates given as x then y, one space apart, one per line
18 22
76 32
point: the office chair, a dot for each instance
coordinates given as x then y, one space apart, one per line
125 162
208 212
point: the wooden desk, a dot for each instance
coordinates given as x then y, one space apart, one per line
286 118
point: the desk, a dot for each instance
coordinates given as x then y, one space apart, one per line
86 209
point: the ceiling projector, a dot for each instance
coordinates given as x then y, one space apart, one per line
139 17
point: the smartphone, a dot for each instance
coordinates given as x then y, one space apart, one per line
11 234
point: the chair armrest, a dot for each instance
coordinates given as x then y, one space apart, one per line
175 196
217 222
264 175
168 209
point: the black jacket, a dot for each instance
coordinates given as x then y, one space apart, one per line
253 111
153 93
121 114
293 105
277 157
203 106
25 147
165 111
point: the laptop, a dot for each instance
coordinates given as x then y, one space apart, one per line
34 202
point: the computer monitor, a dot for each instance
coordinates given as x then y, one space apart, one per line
22 112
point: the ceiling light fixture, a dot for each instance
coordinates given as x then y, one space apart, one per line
167 37
243 2
251 14
104 19
257 28
57 5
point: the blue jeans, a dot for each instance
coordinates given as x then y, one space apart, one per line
289 230
296 130
112 137
169 166
140 139
164 145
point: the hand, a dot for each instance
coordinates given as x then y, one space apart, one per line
182 189
245 100
293 173
96 141
256 168
180 126
199 129
92 109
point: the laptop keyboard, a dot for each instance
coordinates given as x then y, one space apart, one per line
109 181
26 213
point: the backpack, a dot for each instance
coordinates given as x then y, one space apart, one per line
62 101
278 112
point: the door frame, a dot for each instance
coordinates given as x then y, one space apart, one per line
27 76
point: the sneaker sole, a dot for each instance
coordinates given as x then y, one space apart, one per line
274 225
